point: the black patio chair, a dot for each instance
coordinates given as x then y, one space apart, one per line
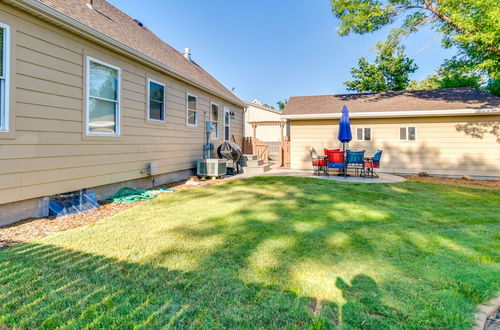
318 163
372 163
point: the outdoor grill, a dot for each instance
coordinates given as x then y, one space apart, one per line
232 153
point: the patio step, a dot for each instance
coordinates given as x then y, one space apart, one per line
251 160
250 157
252 165
256 169
254 162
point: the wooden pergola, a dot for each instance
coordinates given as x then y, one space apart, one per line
283 148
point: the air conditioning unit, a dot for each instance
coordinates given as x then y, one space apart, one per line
211 167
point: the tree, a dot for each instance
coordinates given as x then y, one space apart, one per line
389 72
493 86
458 72
473 26
282 104
452 73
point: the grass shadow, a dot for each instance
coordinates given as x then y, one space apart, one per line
267 252
46 286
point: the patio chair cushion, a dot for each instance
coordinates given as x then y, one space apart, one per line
369 164
336 165
336 159
377 157
319 162
355 157
327 150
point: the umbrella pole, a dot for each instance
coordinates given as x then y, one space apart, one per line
345 160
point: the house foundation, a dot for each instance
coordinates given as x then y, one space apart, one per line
38 207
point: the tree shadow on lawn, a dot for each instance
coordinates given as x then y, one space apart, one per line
46 286
417 258
434 258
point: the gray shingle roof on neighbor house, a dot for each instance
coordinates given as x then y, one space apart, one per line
439 99
114 23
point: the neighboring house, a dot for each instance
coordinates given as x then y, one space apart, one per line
256 111
451 132
91 97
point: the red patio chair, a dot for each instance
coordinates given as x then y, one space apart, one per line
336 159
327 150
319 164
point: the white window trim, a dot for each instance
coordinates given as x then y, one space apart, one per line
228 110
217 136
118 99
164 102
407 135
5 106
187 110
363 128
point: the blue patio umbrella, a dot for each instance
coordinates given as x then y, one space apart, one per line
344 127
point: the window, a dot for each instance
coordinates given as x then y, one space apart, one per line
103 101
227 122
364 134
4 77
215 120
156 96
192 110
408 133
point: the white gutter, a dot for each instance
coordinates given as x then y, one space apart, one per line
50 14
390 114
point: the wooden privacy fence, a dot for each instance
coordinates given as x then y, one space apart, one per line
286 151
247 145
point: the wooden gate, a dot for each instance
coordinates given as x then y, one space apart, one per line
261 150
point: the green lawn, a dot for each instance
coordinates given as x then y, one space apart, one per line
267 252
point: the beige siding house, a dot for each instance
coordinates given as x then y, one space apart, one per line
256 111
449 132
91 97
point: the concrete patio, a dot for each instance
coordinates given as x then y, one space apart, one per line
383 177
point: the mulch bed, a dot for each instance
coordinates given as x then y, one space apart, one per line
33 228
485 184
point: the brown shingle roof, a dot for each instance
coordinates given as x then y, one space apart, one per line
111 21
438 99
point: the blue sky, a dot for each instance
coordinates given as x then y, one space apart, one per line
271 49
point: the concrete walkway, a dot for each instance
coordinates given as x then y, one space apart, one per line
383 177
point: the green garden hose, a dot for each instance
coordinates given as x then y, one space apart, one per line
130 195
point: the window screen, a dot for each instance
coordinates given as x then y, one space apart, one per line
215 121
156 101
103 86
402 133
4 81
192 109
412 136
368 134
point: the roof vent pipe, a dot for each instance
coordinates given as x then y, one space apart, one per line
90 4
187 54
